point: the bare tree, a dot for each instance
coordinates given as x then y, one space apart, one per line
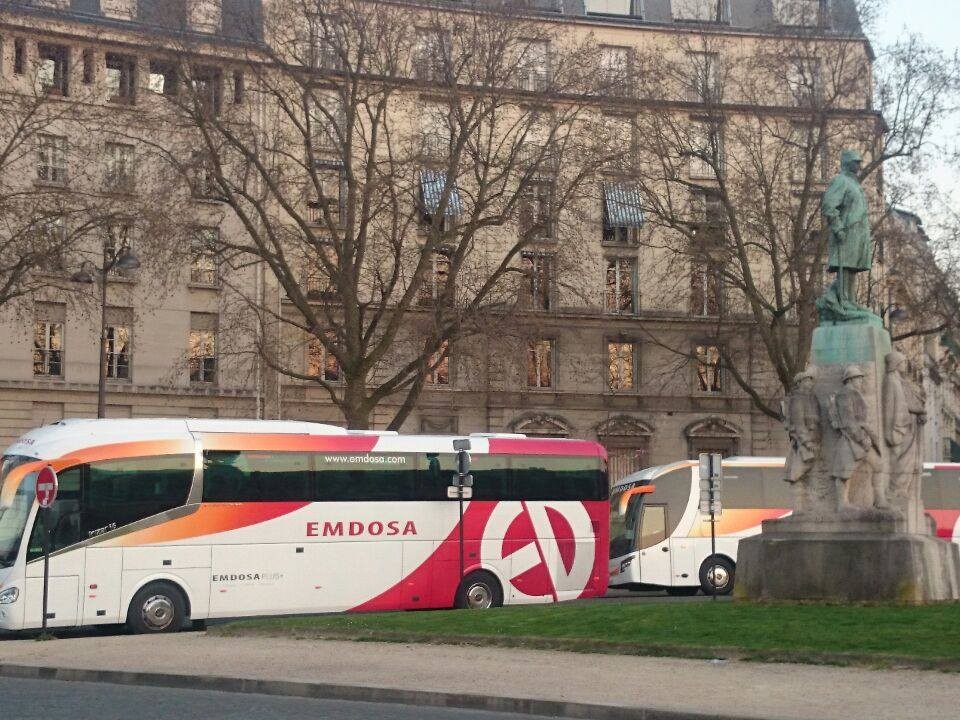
390 166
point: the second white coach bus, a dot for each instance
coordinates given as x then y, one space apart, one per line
660 539
157 522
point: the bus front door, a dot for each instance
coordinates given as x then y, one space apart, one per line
654 546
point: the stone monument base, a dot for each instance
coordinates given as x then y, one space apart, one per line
849 561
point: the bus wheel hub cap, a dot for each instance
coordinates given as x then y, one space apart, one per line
718 577
157 612
478 596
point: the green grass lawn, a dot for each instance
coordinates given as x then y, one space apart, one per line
803 632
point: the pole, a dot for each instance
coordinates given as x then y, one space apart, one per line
460 525
713 542
46 571
102 380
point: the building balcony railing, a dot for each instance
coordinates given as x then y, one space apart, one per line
533 79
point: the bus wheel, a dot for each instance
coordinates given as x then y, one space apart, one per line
156 608
716 576
683 590
478 591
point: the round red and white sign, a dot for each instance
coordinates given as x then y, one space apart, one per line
46 486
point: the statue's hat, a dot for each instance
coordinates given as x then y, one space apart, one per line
852 371
894 359
809 372
849 155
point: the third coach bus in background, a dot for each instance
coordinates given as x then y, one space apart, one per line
660 539
161 521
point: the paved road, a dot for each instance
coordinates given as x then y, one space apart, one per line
42 700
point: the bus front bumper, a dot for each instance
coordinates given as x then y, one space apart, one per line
11 601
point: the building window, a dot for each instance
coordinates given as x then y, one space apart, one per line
53 71
708 209
117 235
239 89
205 84
19 56
48 342
316 281
616 71
705 150
621 365
120 167
322 53
435 131
204 265
52 159
204 177
621 286
327 124
431 55
321 362
802 81
536 210
435 279
118 351
700 10
709 375
332 185
202 359
121 78
163 78
533 66
706 290
704 80
89 67
797 12
540 356
51 232
622 214
804 141
538 267
439 366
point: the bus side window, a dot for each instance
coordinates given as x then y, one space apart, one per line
653 526
62 519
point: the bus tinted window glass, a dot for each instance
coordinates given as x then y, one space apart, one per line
17 492
777 492
62 519
673 490
949 488
742 487
537 477
930 485
623 528
119 492
254 476
365 476
492 479
653 526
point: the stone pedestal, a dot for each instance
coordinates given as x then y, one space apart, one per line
863 552
846 560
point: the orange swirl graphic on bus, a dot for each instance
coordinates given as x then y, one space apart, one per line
737 521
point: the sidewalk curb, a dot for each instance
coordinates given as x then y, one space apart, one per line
326 691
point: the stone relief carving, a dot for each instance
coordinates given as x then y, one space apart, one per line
856 452
801 418
903 420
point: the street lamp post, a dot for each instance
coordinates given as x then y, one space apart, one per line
124 259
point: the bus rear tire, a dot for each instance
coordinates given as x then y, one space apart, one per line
724 571
683 590
479 590
157 608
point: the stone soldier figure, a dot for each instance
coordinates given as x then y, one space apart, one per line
903 416
844 209
857 448
801 418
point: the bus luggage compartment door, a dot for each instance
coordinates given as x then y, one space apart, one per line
63 590
654 545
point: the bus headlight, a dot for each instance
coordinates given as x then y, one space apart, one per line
10 595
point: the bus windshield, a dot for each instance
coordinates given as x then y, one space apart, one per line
15 503
623 527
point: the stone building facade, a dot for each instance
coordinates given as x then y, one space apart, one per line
591 373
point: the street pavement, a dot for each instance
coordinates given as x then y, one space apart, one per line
45 699
684 686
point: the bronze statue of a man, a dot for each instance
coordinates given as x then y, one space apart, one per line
801 417
903 416
844 208
857 448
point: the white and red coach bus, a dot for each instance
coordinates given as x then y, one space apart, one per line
157 522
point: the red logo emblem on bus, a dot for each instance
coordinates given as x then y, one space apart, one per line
548 547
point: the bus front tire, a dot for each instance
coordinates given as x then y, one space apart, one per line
157 608
724 572
479 591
